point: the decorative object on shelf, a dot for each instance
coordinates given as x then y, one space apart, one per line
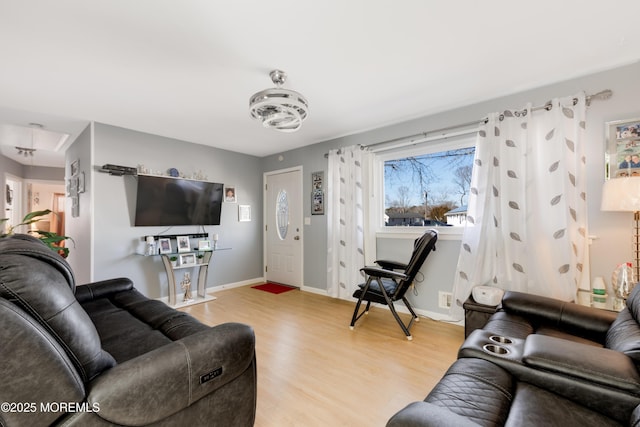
244 213
599 287
183 244
622 157
150 248
187 260
622 280
623 194
185 284
200 258
215 238
174 260
230 194
165 245
279 109
173 172
204 245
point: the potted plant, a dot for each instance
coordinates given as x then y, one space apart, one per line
49 238
200 258
174 260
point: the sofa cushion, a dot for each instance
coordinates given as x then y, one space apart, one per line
130 324
624 336
533 406
475 389
41 283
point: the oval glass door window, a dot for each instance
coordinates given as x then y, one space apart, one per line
282 214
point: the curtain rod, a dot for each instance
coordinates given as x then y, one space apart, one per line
423 136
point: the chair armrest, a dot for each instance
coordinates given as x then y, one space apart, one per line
381 272
584 362
102 288
587 322
391 265
168 379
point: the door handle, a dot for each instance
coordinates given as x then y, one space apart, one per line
296 238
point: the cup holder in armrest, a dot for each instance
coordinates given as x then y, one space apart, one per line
501 340
496 349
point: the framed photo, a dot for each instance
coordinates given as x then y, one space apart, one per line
317 180
75 167
230 194
183 244
187 259
204 245
317 202
622 157
165 246
244 213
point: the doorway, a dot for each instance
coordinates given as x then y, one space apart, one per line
283 227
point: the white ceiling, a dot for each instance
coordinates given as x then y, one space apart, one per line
186 69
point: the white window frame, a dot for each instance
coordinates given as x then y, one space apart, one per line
378 195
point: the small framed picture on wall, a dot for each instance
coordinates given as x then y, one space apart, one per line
230 194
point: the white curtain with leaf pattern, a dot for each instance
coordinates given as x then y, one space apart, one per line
346 189
527 215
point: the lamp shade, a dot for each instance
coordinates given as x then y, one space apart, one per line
621 194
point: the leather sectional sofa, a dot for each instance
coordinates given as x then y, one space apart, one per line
541 362
103 354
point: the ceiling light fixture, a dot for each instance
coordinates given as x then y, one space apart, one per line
279 109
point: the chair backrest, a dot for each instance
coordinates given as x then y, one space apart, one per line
422 247
41 283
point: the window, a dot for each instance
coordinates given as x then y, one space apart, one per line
427 186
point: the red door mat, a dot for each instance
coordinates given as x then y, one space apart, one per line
274 288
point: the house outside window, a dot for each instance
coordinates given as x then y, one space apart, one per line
427 186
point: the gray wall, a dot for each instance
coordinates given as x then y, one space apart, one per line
116 242
612 243
79 228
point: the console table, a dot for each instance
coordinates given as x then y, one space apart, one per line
203 269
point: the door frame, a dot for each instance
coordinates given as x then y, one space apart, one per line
265 176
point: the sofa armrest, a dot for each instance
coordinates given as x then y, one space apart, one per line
102 288
164 381
587 322
602 366
425 414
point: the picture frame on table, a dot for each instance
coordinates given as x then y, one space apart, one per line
164 245
622 156
185 260
204 245
183 243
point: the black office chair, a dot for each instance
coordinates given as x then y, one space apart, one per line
390 281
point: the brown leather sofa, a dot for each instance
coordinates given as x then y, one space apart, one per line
103 354
540 361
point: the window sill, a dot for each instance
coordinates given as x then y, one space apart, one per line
444 233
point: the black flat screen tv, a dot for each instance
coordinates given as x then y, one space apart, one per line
166 201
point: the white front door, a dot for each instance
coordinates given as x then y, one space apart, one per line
283 227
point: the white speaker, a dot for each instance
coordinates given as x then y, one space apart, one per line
487 295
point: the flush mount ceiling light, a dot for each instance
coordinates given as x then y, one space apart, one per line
279 109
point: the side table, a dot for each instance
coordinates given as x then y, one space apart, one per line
476 315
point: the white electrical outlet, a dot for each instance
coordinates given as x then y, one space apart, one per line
445 299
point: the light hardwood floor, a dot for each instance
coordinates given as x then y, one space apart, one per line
314 371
